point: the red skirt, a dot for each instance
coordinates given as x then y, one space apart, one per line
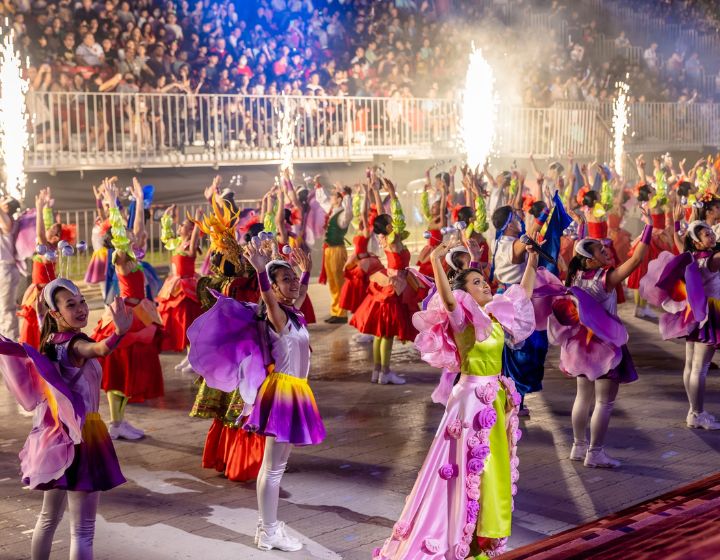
133 368
234 451
308 310
658 244
354 289
383 313
28 314
426 268
178 306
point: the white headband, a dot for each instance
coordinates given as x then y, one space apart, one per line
581 249
693 226
52 287
277 262
451 252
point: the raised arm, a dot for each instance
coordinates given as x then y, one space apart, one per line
304 262
441 280
528 280
618 275
276 314
195 235
281 229
139 221
40 206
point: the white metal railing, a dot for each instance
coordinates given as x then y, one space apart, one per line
103 131
665 125
93 130
100 130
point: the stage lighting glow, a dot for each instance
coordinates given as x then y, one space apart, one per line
287 117
13 119
479 110
620 125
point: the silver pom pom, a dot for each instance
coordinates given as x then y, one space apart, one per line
41 249
51 255
263 236
68 251
256 241
287 250
81 246
63 244
427 235
683 200
460 225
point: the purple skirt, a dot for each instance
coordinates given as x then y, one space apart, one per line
625 371
95 466
285 409
97 269
709 332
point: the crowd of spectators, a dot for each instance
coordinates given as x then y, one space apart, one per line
338 47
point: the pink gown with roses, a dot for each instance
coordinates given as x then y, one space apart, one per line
462 501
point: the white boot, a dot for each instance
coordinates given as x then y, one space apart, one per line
702 420
279 539
597 458
391 378
375 376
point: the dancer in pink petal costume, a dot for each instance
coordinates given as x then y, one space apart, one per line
462 501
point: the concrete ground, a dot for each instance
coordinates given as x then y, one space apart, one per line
343 496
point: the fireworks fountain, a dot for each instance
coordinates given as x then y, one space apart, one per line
13 119
287 116
479 110
620 125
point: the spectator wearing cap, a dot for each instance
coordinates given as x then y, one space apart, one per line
89 53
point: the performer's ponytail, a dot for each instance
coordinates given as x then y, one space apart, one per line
577 264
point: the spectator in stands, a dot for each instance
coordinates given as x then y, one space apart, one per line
89 53
622 42
650 56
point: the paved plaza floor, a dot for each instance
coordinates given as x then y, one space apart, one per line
342 497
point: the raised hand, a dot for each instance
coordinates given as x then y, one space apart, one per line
440 251
137 189
255 257
122 316
474 248
302 259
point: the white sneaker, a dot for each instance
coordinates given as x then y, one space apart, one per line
649 313
391 378
123 430
280 540
187 369
257 531
597 458
375 376
702 420
579 451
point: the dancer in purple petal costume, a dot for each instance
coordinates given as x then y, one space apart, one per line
687 287
264 352
593 342
462 501
69 453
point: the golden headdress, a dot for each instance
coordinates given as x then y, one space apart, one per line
220 228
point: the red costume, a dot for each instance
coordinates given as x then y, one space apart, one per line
43 272
660 242
357 275
178 303
133 368
387 311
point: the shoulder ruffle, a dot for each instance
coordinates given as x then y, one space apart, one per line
514 311
229 347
